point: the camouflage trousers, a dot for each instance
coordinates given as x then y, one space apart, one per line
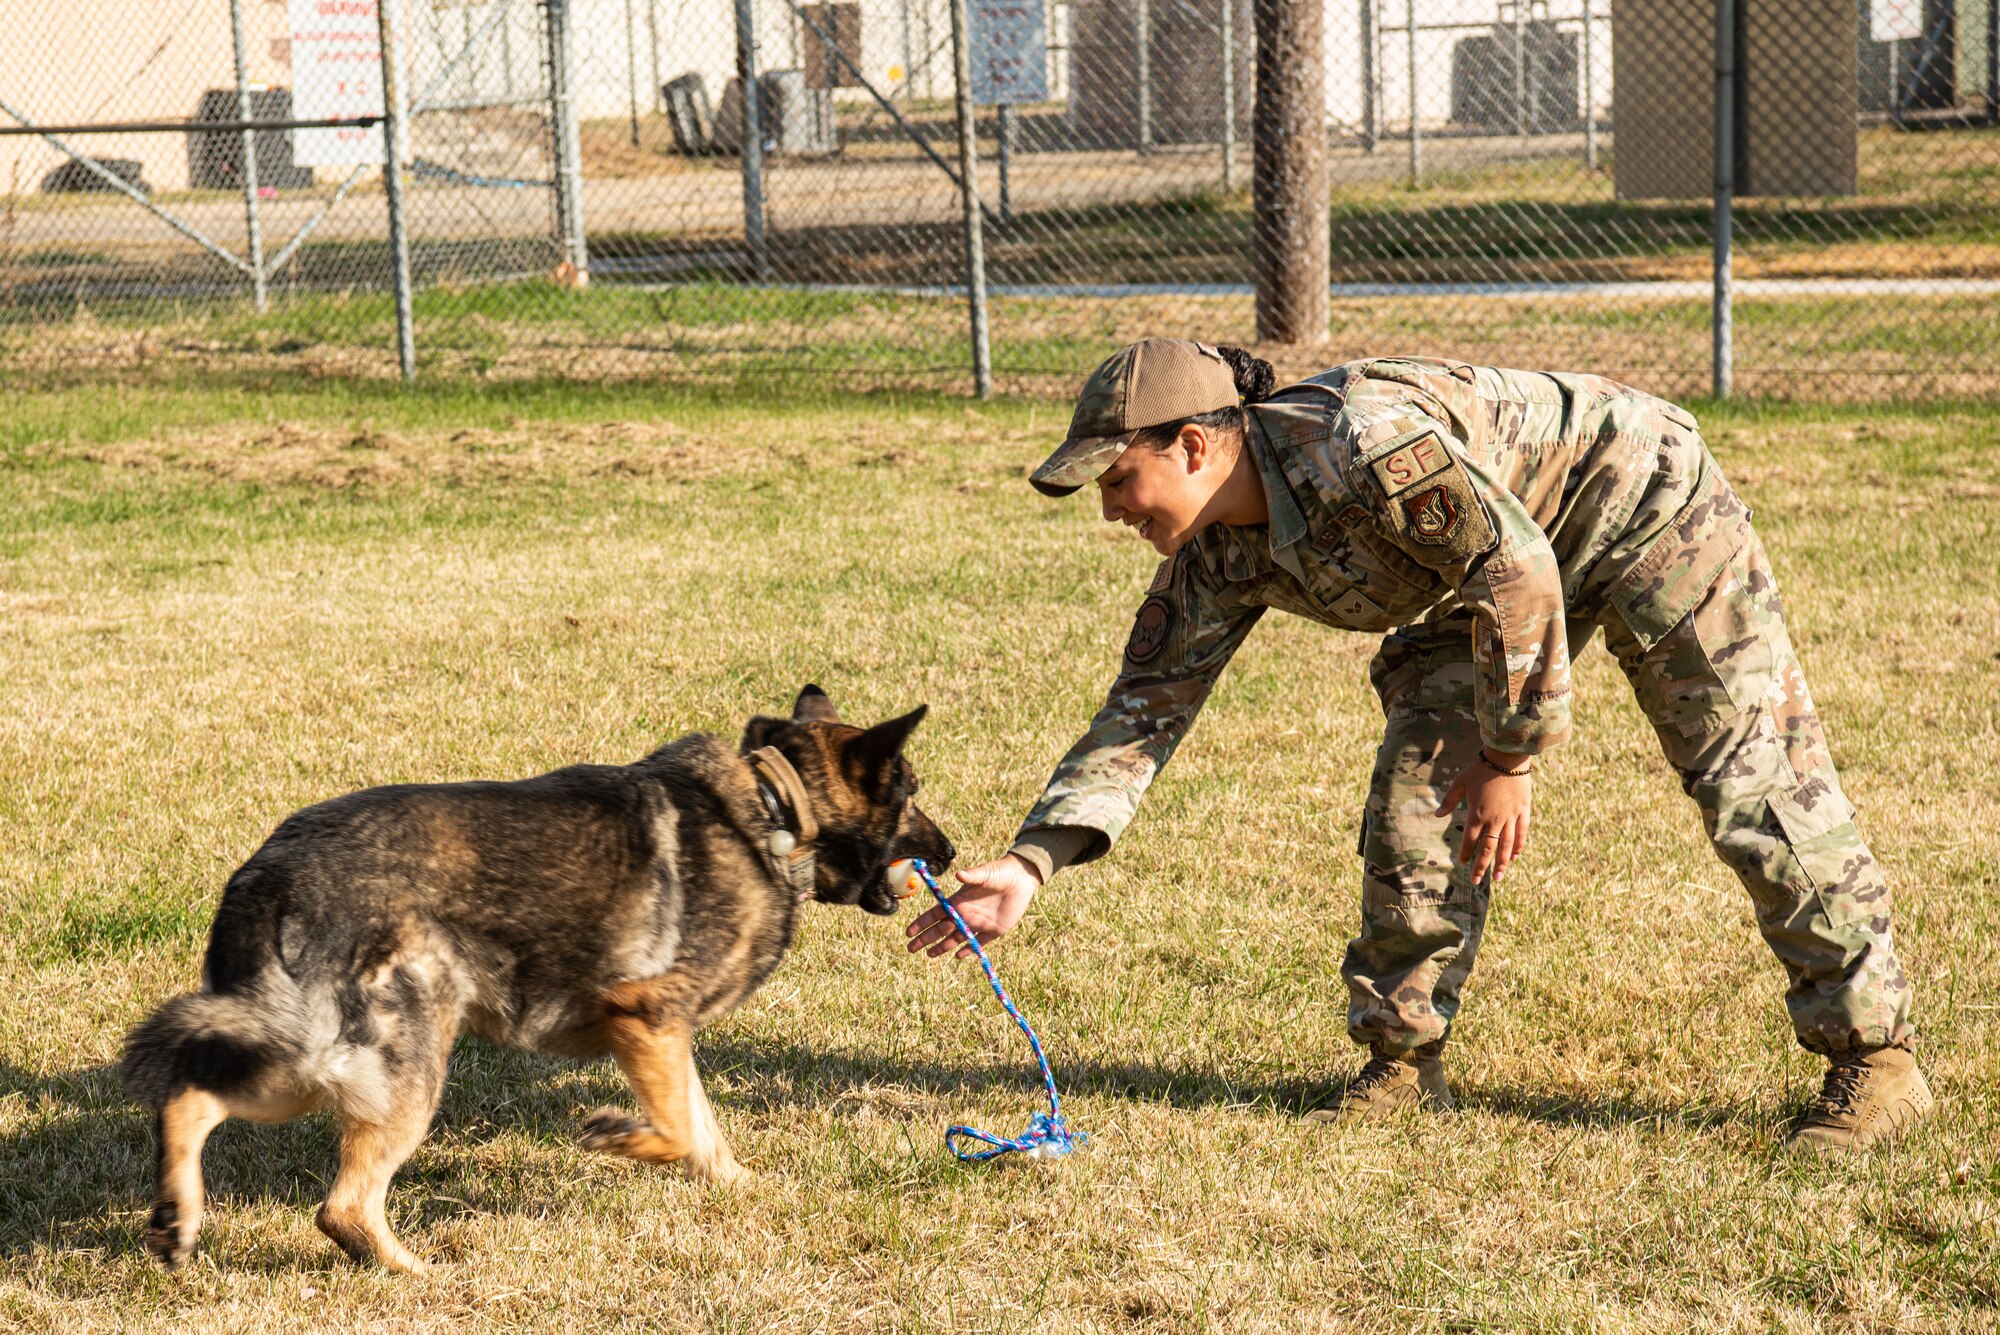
1724 691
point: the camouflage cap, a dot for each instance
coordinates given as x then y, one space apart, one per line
1152 381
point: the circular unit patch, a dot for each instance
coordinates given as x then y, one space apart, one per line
1150 630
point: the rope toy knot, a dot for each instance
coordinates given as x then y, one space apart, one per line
1048 1136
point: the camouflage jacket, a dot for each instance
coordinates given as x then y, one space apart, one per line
1403 490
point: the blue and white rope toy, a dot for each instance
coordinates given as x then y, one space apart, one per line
1047 1136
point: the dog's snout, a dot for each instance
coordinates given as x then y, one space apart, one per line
949 856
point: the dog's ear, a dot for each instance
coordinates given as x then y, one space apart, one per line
814 707
874 752
762 731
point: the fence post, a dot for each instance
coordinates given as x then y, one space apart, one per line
252 223
968 179
1367 44
575 267
1228 96
1288 188
632 69
653 35
1589 98
395 148
1416 131
751 148
1521 70
1005 117
1993 60
1725 189
1142 26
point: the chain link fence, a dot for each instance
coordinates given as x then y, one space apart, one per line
1522 183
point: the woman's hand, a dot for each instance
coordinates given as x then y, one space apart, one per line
995 896
1496 813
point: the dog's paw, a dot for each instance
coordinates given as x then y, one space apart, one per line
610 1131
163 1236
720 1173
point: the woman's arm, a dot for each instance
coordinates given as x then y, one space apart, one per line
1183 635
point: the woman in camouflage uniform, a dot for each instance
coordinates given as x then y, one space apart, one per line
1484 521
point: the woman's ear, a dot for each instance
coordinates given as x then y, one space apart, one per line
1197 445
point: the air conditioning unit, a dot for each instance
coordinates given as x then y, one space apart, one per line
215 157
797 120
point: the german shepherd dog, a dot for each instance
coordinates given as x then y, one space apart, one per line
598 909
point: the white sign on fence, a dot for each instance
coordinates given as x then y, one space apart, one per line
336 74
1896 20
1010 52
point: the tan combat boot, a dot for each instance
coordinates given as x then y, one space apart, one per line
1386 1085
1867 1096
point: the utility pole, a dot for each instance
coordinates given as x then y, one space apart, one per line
1289 195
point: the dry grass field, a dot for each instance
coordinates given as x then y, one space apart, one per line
222 599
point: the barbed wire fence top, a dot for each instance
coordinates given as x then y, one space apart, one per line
594 188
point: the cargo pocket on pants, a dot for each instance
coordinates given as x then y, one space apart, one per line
1818 825
1716 661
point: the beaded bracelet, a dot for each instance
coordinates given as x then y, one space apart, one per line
1526 769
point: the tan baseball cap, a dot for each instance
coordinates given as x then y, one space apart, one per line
1153 381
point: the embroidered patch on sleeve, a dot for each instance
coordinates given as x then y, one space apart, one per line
1405 467
1431 504
1151 630
1433 517
1163 578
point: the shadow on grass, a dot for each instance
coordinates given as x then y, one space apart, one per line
80 1177
771 1077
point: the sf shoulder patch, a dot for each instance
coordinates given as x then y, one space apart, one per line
1432 504
1151 630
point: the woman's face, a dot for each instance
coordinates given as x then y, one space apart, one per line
1162 493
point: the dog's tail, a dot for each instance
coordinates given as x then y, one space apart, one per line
249 1044
195 1061
221 1043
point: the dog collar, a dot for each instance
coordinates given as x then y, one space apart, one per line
780 787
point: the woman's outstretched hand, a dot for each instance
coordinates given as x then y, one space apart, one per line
1496 814
994 897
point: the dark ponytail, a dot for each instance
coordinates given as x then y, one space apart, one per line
1254 377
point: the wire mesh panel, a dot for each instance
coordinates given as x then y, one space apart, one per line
829 249
1868 241
592 188
123 222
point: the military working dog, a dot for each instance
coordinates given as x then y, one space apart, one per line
598 909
